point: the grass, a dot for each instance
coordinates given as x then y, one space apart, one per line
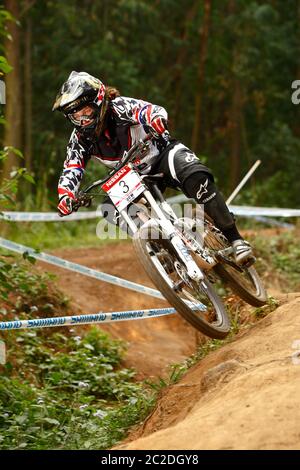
262 312
279 257
54 235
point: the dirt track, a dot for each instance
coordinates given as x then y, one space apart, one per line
243 396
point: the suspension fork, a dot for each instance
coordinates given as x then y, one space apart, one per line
193 271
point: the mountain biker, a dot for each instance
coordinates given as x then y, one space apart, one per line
107 124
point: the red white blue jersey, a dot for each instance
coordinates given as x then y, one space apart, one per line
127 120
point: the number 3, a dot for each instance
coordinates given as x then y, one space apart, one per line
125 187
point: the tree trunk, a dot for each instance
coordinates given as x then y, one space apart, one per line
13 111
236 113
236 131
181 58
204 34
28 92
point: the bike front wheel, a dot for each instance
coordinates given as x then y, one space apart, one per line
196 302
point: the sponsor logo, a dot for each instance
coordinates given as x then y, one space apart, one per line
209 198
115 178
202 190
88 318
127 315
190 158
46 322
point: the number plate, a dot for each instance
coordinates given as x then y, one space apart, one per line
124 187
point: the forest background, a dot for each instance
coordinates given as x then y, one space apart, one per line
222 68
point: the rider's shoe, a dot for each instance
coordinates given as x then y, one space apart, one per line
242 252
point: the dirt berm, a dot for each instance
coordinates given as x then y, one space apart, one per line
243 396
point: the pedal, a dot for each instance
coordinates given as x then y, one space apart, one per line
225 260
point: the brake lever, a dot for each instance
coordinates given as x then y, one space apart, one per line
83 200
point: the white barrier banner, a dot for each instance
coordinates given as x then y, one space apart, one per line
247 211
48 216
264 211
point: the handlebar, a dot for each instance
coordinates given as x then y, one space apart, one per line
140 148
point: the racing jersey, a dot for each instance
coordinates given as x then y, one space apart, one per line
127 120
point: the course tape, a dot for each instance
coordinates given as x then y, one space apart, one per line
78 268
247 210
272 222
86 319
47 216
264 211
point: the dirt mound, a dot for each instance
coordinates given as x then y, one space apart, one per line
243 396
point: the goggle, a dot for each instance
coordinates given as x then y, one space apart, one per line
83 117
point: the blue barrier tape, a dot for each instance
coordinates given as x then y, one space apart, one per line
78 268
86 319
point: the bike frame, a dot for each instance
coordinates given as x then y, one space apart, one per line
165 218
171 233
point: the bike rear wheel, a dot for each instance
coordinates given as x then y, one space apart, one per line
197 303
245 282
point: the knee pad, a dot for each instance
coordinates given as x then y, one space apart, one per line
201 188
217 209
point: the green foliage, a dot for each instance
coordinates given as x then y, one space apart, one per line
272 305
4 66
9 187
67 392
60 391
4 17
280 255
15 278
23 290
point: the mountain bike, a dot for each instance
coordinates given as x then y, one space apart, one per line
182 256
